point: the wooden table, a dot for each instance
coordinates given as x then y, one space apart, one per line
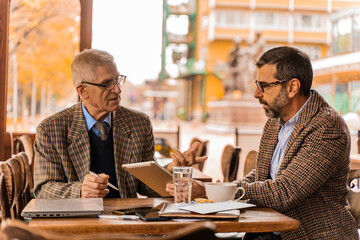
250 220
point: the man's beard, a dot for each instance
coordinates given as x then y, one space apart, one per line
275 108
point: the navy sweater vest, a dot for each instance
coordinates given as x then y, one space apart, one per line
102 159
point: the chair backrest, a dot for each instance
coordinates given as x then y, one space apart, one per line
6 171
25 195
14 172
4 199
25 144
201 151
21 231
250 162
230 162
19 172
354 194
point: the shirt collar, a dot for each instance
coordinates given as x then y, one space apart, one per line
90 121
294 119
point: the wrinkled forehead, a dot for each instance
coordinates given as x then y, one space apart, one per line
107 71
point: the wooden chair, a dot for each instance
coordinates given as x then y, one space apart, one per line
4 199
25 144
20 231
9 183
201 151
354 194
230 162
25 195
250 162
14 173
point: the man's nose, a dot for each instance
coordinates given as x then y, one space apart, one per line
117 88
257 93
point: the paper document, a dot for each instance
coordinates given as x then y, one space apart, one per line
207 208
173 210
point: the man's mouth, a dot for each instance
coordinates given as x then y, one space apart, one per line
262 102
115 98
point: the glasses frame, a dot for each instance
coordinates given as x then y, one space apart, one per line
261 85
119 80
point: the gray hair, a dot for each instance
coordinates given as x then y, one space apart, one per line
85 63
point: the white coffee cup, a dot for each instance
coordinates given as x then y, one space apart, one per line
222 191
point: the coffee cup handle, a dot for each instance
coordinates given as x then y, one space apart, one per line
242 195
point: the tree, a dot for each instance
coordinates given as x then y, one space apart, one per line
44 37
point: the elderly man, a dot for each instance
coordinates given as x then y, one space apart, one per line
303 160
96 134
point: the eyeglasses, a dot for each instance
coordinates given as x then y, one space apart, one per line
262 85
110 84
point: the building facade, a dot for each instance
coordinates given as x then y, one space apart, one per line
308 25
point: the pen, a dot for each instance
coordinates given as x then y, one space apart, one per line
119 217
109 184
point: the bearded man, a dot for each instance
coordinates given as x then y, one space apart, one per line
303 161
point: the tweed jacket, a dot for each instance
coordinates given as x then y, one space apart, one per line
62 152
311 182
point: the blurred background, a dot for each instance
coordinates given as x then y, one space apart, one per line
190 63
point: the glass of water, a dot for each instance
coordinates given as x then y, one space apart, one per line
182 177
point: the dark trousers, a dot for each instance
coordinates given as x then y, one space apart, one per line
261 236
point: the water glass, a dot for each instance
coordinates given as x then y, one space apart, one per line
182 177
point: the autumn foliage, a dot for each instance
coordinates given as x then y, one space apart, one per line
43 39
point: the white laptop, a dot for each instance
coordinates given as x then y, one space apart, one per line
67 207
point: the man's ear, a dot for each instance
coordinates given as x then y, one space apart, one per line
294 87
82 90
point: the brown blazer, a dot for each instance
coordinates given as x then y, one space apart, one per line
311 183
62 152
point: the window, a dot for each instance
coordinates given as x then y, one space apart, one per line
354 97
231 19
271 20
356 33
43 39
178 24
310 22
342 35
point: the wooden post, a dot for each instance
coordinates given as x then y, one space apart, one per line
4 48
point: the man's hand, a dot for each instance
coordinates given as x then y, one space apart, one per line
95 187
197 191
186 158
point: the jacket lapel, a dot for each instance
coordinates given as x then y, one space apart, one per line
268 145
79 143
123 147
309 111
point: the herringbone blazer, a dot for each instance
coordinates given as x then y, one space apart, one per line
62 152
311 182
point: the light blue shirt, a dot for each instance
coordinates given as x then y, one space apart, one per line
283 139
90 121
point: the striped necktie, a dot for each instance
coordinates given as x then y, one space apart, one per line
103 129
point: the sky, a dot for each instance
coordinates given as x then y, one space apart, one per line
131 30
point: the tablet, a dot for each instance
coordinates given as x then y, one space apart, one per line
151 174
